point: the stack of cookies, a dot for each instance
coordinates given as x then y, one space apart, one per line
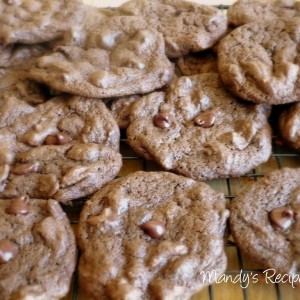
194 90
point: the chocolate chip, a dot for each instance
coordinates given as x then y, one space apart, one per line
6 251
155 229
162 120
18 206
59 138
205 119
282 217
26 168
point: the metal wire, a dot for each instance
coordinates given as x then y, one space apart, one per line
279 154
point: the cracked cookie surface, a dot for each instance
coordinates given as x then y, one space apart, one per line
151 235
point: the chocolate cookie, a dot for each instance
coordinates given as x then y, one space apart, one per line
186 26
64 149
246 11
259 61
121 109
37 250
198 63
289 126
151 235
121 56
200 130
265 221
36 21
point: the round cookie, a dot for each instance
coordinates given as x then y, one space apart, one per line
186 26
259 61
37 250
265 221
246 11
289 126
64 149
151 235
198 63
121 109
120 56
37 21
200 130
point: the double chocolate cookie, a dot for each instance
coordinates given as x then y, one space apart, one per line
64 149
289 126
265 221
186 26
259 61
37 250
120 56
151 235
200 130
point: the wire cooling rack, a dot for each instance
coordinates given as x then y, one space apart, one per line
238 264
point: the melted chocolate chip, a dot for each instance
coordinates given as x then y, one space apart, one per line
282 217
26 168
59 138
162 120
18 206
6 251
205 119
155 229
